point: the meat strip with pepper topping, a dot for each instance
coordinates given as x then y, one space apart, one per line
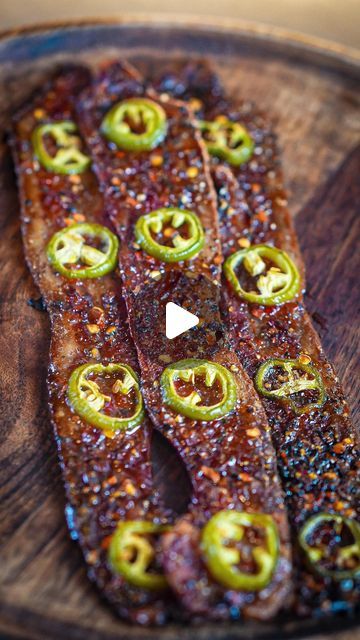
229 555
263 279
102 432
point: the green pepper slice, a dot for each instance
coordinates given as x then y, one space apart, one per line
346 564
183 384
137 124
68 247
88 401
131 553
295 377
68 158
227 140
222 558
277 284
182 230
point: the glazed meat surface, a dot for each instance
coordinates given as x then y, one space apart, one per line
107 474
317 450
230 461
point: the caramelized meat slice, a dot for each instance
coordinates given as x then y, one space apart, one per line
106 467
204 405
316 443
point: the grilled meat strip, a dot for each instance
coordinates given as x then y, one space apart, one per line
230 461
107 475
317 452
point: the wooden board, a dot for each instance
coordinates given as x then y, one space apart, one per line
313 96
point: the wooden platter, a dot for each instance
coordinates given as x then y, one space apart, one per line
312 93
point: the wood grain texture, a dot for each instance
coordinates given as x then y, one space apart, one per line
44 593
333 288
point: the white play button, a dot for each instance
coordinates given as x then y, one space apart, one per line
178 320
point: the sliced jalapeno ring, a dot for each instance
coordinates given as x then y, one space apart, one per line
68 248
213 377
347 561
227 140
221 543
89 402
182 230
277 284
137 124
293 384
131 553
68 158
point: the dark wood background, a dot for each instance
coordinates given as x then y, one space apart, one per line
314 100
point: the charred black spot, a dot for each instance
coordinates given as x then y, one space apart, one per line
37 303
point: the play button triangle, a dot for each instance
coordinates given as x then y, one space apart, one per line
178 320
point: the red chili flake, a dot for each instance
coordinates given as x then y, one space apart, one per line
261 216
156 160
129 488
39 114
330 475
209 473
245 477
79 217
195 104
339 447
74 179
111 330
92 556
253 433
256 312
105 543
